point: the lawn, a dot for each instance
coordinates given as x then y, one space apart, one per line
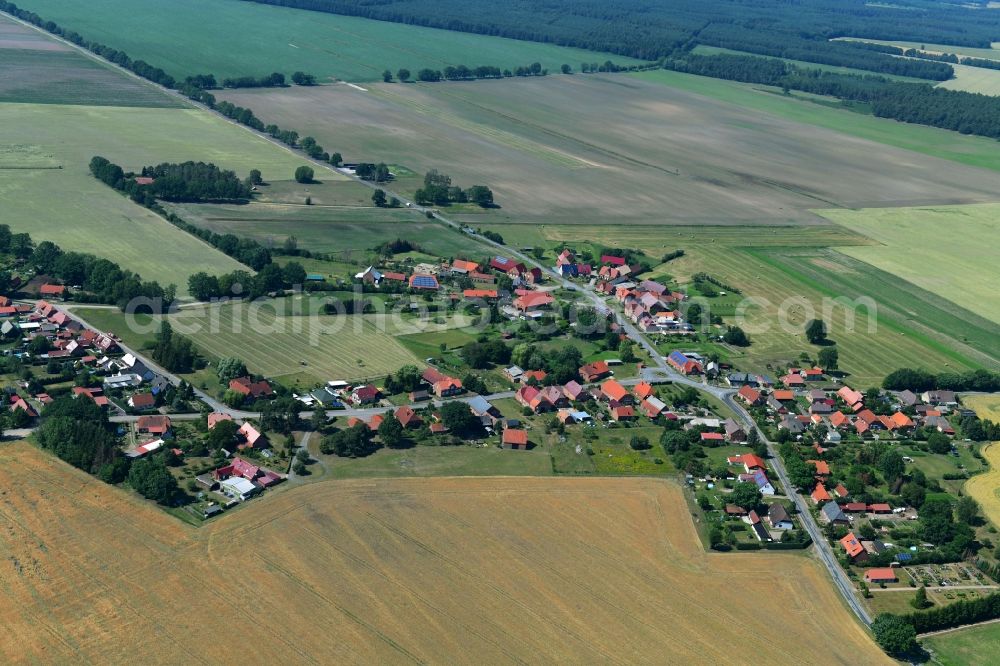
964 647
931 141
390 570
646 160
37 70
958 265
232 38
47 189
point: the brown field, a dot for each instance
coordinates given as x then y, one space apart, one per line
493 570
555 151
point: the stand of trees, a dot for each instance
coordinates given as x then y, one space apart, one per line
273 80
241 284
439 191
78 432
102 280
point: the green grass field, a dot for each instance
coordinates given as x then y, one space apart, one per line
974 79
233 38
974 646
347 230
914 326
970 150
34 69
947 250
276 345
442 461
47 189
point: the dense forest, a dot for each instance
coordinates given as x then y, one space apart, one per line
650 31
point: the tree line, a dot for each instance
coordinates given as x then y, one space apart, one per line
242 284
918 103
647 31
917 380
101 280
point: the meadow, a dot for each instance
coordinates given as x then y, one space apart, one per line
657 155
34 69
297 350
48 191
229 38
947 250
347 231
377 571
966 647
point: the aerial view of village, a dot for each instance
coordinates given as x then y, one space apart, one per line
405 332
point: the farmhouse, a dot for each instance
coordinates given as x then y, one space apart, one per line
424 281
615 394
533 300
366 395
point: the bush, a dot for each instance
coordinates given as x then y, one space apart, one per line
304 174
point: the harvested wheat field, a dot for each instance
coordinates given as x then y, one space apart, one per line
985 488
492 570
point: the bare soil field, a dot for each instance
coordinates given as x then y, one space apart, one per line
555 151
494 570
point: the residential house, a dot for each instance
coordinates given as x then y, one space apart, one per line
96 395
574 392
751 396
852 546
463 267
757 527
946 398
834 514
155 425
447 387
822 467
253 438
514 373
595 371
249 388
215 418
366 395
733 510
142 401
759 478
820 494
408 418
533 300
643 390
777 516
487 413
749 461
734 431
19 403
855 400
615 394
622 413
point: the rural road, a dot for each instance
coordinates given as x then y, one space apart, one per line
661 372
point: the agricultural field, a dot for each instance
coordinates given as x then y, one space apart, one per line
931 141
398 569
347 231
702 49
648 161
974 79
35 69
798 262
987 406
48 191
967 51
985 488
185 37
947 250
973 646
